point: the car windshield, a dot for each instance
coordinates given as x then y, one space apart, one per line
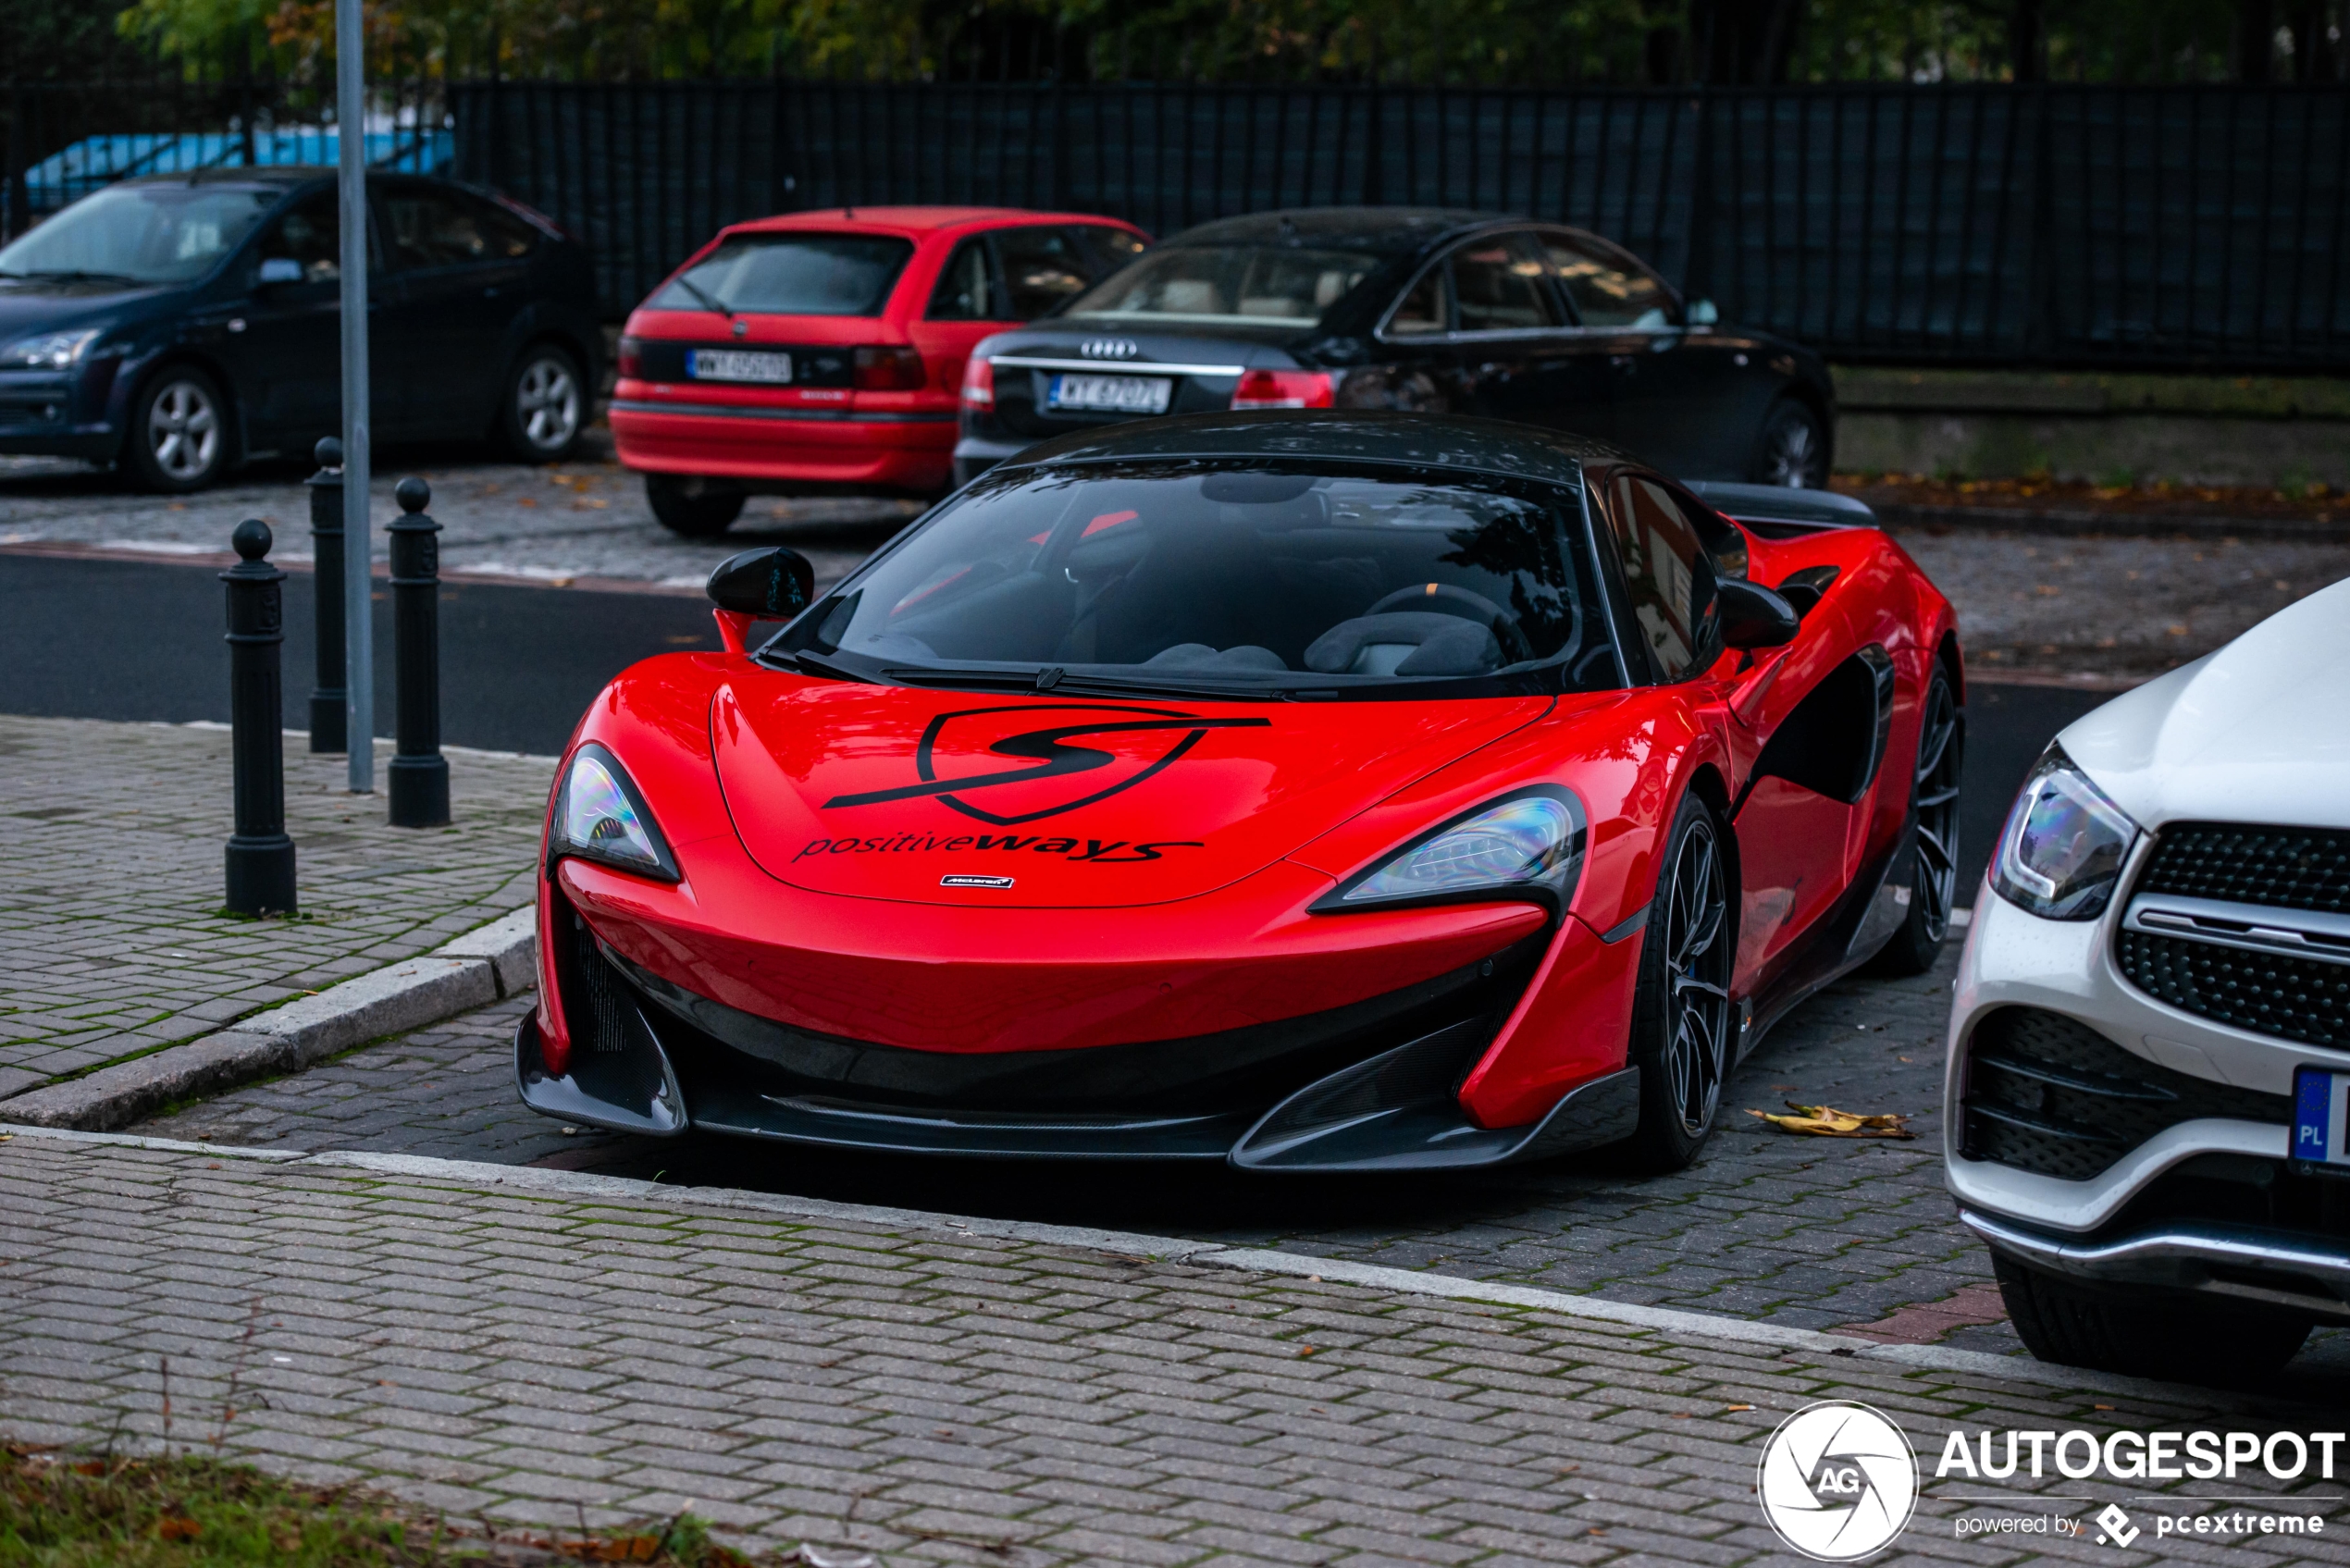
791 275
1248 581
1228 285
140 233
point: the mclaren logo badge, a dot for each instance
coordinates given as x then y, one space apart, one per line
967 880
1052 754
1110 348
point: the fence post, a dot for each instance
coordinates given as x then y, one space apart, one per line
328 731
1696 281
16 220
419 772
260 856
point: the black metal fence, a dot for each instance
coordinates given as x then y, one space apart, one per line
2049 224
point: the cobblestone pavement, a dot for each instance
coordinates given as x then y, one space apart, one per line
555 524
540 1358
111 934
1809 1232
2120 608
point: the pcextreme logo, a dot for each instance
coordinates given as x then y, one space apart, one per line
1838 1481
1108 772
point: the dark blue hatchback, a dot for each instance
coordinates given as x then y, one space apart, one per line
179 326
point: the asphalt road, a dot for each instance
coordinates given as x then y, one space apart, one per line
122 639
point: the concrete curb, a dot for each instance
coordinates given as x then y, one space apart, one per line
2106 525
1630 1318
494 960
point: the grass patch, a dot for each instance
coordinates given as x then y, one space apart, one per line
191 1511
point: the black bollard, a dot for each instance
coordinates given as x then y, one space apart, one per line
328 725
419 772
261 858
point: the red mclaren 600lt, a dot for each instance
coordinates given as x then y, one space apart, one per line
1309 790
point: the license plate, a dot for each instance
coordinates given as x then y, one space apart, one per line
2321 1118
1112 394
737 364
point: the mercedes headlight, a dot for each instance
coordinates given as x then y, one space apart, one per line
50 351
1529 844
2062 852
599 816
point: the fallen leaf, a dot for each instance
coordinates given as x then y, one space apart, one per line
1737 1407
91 1467
1826 1121
1304 1350
2100 1407
178 1527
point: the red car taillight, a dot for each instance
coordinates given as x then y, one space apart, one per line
889 370
979 382
1286 389
632 358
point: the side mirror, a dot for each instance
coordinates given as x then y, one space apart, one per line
768 585
1703 313
1752 616
279 270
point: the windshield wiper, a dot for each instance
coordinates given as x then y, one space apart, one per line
695 289
817 664
74 276
1088 686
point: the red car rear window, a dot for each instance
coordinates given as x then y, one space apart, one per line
791 274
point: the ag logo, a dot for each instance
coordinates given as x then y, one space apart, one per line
1013 793
1838 1481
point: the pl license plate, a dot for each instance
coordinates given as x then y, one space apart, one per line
1110 394
2321 1120
737 364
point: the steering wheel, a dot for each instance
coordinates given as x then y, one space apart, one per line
1466 604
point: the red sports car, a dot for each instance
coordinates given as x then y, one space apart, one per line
825 349
1309 790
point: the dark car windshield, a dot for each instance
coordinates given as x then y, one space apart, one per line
791 275
1249 580
140 233
1226 285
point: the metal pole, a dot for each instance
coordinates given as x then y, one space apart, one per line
358 578
260 857
419 774
328 699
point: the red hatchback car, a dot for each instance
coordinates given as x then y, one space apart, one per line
824 351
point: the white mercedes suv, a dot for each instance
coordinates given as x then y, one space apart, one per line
2150 1045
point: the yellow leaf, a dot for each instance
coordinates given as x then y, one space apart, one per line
1826 1121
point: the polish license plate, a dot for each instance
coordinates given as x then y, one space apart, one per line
1110 394
737 364
2321 1120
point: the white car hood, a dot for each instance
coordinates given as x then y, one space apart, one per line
2258 732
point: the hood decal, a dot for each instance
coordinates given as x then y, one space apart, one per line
1048 746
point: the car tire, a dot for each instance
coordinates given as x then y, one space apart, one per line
1792 450
1682 1021
691 507
179 438
544 405
1934 843
2145 1333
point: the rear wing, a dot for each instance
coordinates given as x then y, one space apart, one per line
1777 512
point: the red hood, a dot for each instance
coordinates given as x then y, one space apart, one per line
880 792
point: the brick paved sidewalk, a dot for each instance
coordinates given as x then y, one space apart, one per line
932 1393
111 934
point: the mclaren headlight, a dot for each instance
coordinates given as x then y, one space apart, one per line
2062 852
49 351
1529 844
599 816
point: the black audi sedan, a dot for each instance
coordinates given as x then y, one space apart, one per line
177 326
1409 308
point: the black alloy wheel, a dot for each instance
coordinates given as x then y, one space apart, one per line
695 508
1933 859
1793 452
1681 1014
